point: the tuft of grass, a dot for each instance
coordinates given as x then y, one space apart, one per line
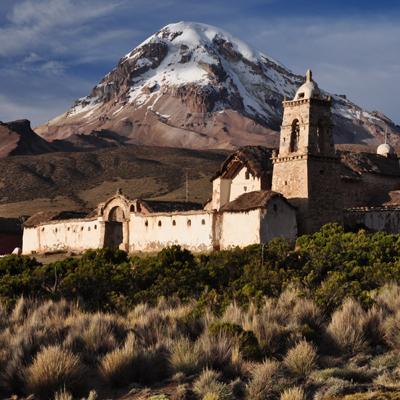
54 369
265 380
215 353
307 312
302 359
358 375
345 332
333 387
294 393
183 358
208 386
389 361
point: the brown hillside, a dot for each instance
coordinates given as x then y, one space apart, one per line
78 181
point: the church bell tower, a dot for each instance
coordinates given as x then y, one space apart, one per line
306 170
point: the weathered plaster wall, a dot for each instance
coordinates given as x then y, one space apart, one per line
358 193
376 219
240 184
78 235
194 231
278 219
240 229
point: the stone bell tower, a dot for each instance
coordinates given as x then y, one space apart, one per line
307 170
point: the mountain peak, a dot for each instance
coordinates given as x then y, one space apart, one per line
195 85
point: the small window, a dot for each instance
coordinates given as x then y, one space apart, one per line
68 228
88 228
81 228
132 208
301 96
146 223
247 175
203 221
173 223
55 230
95 227
189 222
285 183
42 229
245 188
159 223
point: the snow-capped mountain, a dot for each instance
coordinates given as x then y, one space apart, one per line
197 86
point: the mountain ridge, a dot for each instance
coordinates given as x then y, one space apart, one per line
196 86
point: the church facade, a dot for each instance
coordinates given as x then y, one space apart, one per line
258 194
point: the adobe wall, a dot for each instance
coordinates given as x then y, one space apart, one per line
77 235
376 219
240 229
278 220
153 232
242 185
358 193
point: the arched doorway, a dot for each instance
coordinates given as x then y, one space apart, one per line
113 227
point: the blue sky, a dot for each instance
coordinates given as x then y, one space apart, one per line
53 52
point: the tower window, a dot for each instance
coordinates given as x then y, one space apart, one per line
146 223
300 96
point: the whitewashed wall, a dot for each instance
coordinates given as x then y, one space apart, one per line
240 184
196 236
77 235
240 229
278 219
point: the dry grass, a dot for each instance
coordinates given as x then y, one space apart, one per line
302 359
294 393
208 386
345 332
184 359
54 369
265 382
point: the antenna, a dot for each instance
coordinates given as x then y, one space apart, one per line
187 188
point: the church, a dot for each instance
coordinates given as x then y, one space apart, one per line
258 194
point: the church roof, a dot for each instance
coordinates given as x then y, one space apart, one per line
47 216
256 159
390 199
252 201
155 206
360 162
309 89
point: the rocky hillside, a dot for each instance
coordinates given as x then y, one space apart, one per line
18 138
192 85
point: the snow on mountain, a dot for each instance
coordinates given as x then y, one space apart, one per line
194 85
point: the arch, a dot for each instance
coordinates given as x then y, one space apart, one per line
132 208
294 136
116 214
320 136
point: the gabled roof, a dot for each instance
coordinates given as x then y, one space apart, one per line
154 206
253 200
47 216
256 159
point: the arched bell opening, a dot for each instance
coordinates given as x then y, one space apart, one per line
294 136
320 137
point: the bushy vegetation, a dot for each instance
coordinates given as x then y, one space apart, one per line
311 320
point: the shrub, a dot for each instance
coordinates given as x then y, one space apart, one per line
114 368
183 358
265 381
345 332
392 331
302 359
208 386
333 387
53 369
